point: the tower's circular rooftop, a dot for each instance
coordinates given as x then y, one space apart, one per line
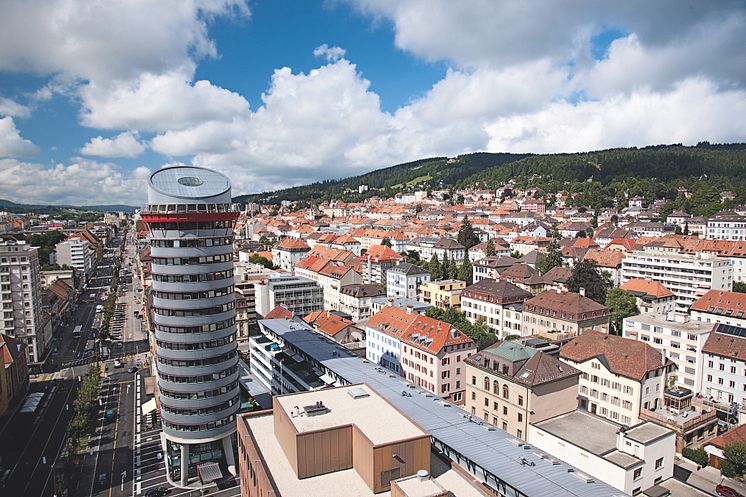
189 182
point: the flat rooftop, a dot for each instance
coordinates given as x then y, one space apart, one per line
647 432
583 429
694 327
377 419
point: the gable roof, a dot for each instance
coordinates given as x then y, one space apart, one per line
499 292
622 356
726 341
604 258
280 312
328 323
719 302
646 288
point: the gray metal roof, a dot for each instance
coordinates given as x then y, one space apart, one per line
189 182
477 446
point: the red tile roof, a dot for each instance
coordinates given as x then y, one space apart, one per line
648 287
279 312
719 302
328 323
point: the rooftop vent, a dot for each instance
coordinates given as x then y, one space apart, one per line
316 409
357 393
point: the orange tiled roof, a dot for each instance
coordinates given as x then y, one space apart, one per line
649 287
328 323
417 330
725 303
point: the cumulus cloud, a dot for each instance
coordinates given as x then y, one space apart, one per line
123 145
10 107
11 142
331 54
105 183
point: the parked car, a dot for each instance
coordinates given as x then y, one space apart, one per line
724 491
118 363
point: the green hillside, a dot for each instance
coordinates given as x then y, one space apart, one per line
430 173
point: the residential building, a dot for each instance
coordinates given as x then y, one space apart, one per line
14 378
357 299
491 267
427 352
560 315
331 276
246 276
726 225
724 366
378 303
608 262
716 446
510 386
76 253
443 248
445 294
651 297
717 306
404 280
21 299
288 252
297 294
191 225
496 303
678 338
339 329
377 261
631 459
619 376
688 276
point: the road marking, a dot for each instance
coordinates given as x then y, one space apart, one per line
114 449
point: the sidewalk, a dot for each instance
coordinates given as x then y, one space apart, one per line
705 479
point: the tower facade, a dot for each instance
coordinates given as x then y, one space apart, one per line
191 223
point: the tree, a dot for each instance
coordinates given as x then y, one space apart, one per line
516 255
739 287
465 271
490 249
258 259
677 230
386 242
622 304
585 275
686 228
436 272
552 259
734 464
264 240
466 235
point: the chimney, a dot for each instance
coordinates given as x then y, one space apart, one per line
410 307
581 291
390 301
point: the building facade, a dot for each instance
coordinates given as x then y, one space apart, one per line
297 294
561 315
496 303
77 254
191 224
445 294
724 366
404 280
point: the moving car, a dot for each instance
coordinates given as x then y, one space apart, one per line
724 491
132 370
157 492
118 364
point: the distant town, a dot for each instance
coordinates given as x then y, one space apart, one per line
501 345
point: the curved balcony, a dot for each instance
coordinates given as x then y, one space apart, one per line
197 286
195 354
202 435
196 370
190 304
190 251
193 320
204 402
197 387
195 337
213 267
206 233
198 419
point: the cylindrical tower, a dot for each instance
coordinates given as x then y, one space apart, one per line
191 236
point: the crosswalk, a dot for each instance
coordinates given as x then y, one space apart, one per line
38 378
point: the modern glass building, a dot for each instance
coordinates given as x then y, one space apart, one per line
191 234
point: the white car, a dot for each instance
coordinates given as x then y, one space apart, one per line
118 364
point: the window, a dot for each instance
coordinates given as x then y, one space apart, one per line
659 463
520 401
637 474
506 391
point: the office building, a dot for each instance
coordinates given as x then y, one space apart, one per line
21 299
295 293
190 220
76 253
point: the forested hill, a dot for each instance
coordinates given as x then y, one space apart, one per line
653 171
430 173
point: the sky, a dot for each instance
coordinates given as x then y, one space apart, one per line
95 96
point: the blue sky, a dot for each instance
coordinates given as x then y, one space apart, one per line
276 93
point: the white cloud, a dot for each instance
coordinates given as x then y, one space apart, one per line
81 182
102 41
11 143
158 102
10 107
331 54
123 145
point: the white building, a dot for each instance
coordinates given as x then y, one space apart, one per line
288 252
727 225
631 459
404 280
688 276
77 254
299 295
678 338
440 247
720 307
21 299
619 376
356 299
724 365
497 304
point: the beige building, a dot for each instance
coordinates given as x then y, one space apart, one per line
497 303
560 315
510 386
619 376
445 294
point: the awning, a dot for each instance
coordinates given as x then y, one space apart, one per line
327 378
148 407
209 471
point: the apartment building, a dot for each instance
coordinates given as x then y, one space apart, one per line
619 376
426 351
377 261
491 267
404 280
14 378
76 253
510 386
726 225
688 276
443 248
246 276
650 296
21 299
331 276
632 459
297 294
445 294
288 252
560 315
496 303
724 366
357 300
717 306
678 338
